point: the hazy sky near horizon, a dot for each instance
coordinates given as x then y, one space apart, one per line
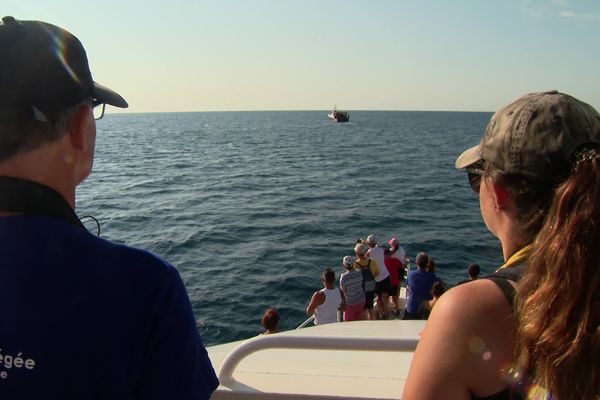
467 55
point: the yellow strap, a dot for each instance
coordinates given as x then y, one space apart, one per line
517 257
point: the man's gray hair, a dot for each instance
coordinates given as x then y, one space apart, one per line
21 136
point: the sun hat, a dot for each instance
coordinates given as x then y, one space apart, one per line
44 70
360 248
371 239
535 136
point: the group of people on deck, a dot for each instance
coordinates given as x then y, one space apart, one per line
371 279
374 273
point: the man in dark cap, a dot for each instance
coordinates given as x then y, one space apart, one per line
80 317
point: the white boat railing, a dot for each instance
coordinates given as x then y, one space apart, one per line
308 321
266 342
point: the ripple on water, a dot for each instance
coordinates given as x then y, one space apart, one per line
251 206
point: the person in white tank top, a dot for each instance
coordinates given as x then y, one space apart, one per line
326 303
382 281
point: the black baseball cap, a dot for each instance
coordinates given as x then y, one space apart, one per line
44 70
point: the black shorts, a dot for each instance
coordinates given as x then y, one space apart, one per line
394 290
369 298
411 316
383 286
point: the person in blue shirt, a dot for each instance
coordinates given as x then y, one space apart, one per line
80 317
420 282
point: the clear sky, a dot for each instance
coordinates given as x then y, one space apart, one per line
196 55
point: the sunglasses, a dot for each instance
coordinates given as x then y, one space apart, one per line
474 173
98 108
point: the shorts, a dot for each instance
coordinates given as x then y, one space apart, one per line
383 286
354 312
394 290
411 316
369 298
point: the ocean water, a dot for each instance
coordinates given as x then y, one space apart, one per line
252 206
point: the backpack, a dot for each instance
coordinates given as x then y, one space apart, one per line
368 280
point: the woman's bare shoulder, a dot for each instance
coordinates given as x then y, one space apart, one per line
472 308
470 330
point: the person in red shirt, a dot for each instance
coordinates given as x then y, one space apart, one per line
393 265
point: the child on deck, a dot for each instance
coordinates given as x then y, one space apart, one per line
270 321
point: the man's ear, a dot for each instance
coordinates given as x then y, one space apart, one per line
78 126
502 196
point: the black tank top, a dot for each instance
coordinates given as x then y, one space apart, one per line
502 278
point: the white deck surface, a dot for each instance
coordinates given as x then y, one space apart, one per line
322 374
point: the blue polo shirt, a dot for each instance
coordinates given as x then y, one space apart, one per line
420 283
84 318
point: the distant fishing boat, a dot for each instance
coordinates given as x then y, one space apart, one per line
339 116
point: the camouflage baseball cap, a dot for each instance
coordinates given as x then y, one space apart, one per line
534 136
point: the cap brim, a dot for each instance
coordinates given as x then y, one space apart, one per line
108 96
468 157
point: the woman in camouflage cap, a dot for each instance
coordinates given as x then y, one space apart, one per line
537 174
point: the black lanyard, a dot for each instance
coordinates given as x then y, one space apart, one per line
28 197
